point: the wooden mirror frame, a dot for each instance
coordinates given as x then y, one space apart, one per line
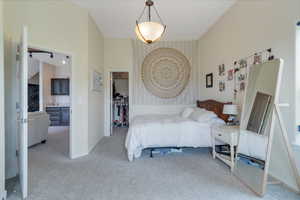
275 112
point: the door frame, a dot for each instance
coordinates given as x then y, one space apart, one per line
108 88
71 57
2 111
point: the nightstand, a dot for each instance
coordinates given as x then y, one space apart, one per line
227 135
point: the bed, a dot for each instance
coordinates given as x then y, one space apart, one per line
151 131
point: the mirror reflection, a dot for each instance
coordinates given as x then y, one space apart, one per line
255 124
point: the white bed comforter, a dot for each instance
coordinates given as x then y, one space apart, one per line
166 131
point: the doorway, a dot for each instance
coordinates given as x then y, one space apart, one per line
119 102
49 100
49 79
297 83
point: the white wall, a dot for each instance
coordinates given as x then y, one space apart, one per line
50 72
246 28
2 154
95 99
118 53
33 67
117 57
122 86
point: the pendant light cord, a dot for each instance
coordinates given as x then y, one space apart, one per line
149 14
161 21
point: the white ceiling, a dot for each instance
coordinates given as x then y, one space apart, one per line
185 19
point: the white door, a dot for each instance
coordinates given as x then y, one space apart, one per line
111 103
23 114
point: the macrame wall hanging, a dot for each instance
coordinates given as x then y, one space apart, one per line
166 72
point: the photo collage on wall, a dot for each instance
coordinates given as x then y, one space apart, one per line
238 73
240 68
222 73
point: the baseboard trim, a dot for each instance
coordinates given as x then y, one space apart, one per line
78 156
3 195
93 146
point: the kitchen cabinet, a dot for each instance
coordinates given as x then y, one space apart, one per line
59 116
60 86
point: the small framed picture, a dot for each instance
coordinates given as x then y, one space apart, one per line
241 77
230 75
242 86
257 59
221 70
96 81
243 64
209 80
221 86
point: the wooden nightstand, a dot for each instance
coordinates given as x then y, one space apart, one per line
228 135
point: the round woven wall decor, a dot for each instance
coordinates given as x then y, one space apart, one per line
166 72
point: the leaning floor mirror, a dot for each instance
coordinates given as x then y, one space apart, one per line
264 154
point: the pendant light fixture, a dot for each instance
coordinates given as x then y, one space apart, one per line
149 31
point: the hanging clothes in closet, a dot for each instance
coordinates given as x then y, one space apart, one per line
120 111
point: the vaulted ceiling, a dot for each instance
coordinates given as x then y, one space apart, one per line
185 19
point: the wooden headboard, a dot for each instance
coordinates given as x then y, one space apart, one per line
214 106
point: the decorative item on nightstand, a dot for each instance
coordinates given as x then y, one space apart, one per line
232 111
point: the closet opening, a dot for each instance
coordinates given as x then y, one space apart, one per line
119 99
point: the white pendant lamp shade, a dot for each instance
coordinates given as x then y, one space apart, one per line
149 32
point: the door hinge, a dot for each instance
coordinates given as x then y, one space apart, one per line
17 153
17 57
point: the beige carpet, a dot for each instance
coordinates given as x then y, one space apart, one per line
106 174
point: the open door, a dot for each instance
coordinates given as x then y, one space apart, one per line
111 103
23 113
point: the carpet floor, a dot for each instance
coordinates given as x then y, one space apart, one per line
106 174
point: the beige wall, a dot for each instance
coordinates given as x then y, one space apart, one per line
118 53
69 36
117 56
246 28
95 99
49 72
2 165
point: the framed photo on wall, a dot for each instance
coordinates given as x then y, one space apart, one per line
222 70
209 80
96 81
230 75
221 86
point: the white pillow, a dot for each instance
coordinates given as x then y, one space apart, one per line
202 115
187 112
